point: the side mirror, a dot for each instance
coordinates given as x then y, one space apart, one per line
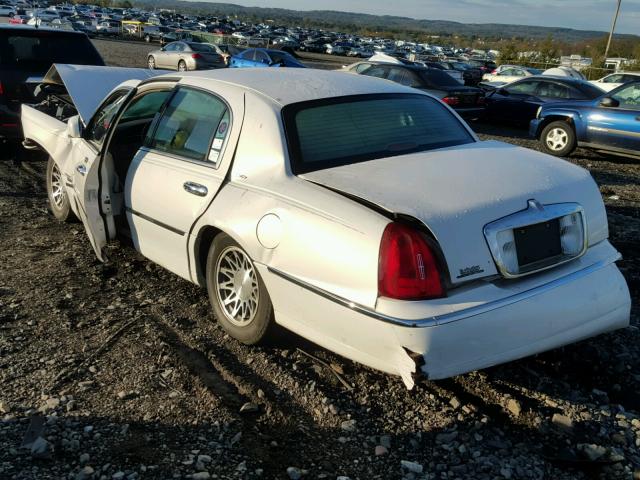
74 127
609 102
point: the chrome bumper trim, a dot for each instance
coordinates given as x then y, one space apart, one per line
453 316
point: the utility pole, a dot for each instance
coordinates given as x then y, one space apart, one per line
613 27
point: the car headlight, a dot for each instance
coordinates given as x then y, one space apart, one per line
538 112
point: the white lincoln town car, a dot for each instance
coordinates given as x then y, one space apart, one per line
363 215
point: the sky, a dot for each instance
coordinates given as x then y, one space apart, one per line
578 14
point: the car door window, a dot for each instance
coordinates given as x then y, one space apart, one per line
507 72
103 118
261 57
194 125
170 48
180 47
523 88
376 71
629 97
362 67
553 90
146 106
403 77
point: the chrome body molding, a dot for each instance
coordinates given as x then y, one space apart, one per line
453 316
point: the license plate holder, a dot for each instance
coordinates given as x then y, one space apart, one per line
537 242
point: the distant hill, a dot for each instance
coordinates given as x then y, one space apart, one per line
349 20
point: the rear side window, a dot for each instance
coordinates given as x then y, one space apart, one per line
38 50
189 124
327 133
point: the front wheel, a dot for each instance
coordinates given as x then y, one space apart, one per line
152 63
58 199
237 294
558 138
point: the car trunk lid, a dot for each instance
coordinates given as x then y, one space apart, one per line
456 191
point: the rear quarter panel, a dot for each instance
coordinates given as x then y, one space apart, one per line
315 234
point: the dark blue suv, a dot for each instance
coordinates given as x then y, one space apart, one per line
609 123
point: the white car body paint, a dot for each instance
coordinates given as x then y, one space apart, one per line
320 262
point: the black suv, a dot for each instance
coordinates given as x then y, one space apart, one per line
26 54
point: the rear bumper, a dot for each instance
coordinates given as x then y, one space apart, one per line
469 332
595 303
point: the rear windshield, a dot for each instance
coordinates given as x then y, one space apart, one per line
201 47
345 130
39 50
591 91
438 78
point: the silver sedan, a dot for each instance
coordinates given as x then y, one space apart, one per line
183 56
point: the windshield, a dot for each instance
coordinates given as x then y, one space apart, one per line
341 131
39 50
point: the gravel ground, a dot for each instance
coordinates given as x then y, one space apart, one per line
120 371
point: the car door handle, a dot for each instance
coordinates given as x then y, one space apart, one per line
195 189
81 169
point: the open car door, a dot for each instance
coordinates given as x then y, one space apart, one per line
90 177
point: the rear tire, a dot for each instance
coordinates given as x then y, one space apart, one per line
151 62
182 67
558 138
57 194
238 296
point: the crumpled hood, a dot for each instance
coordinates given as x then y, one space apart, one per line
88 85
456 191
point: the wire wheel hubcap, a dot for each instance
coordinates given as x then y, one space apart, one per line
182 67
237 286
152 63
557 139
57 188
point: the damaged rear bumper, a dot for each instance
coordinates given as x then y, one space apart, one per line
473 328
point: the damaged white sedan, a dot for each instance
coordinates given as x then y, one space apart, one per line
365 216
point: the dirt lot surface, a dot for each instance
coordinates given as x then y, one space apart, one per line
122 372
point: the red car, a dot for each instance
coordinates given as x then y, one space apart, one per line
19 19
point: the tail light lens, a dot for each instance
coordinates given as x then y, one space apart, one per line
451 100
494 72
196 56
407 268
1 89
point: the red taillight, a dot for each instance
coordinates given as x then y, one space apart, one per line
451 100
494 72
196 56
407 268
1 89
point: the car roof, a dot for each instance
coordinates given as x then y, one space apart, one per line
293 85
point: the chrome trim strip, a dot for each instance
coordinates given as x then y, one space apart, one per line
155 222
453 316
614 131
